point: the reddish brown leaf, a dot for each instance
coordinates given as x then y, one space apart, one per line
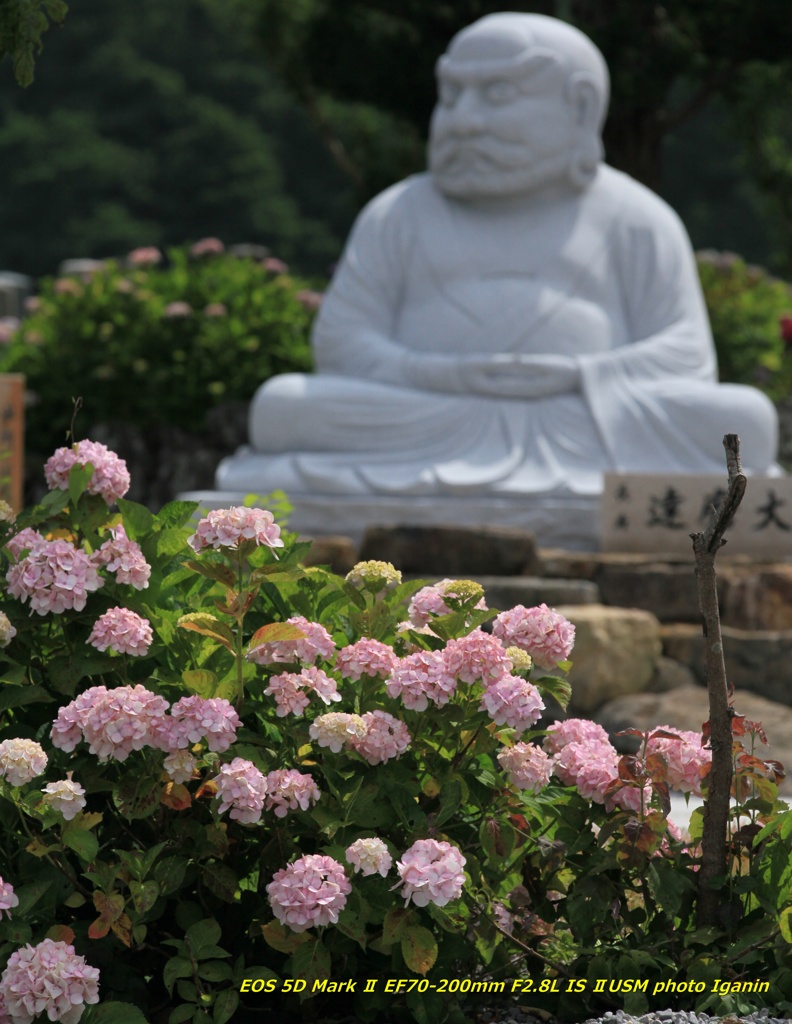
110 909
176 796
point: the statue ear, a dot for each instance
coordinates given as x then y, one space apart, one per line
585 96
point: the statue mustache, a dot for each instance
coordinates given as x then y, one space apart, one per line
445 152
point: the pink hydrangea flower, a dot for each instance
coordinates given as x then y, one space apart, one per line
288 790
337 730
230 527
527 766
207 247
369 857
113 722
21 761
573 730
308 298
241 787
367 657
123 631
629 798
317 644
591 767
275 266
430 601
513 701
65 796
289 688
123 556
55 576
177 310
309 893
26 540
180 766
384 739
195 718
685 757
48 979
8 899
7 630
215 309
477 657
547 636
145 256
431 872
419 678
110 474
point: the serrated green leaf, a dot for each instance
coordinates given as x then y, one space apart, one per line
557 688
116 1013
138 521
176 967
212 571
312 962
200 681
83 842
225 1006
203 937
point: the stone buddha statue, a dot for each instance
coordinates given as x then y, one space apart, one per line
505 328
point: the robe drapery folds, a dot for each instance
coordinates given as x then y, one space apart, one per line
606 276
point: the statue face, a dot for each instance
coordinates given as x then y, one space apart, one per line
504 123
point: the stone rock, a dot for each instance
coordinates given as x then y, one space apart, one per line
616 652
671 675
339 553
453 550
757 598
668 591
688 708
504 592
755 661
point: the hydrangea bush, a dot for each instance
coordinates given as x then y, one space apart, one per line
219 767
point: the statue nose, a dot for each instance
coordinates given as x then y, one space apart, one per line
468 116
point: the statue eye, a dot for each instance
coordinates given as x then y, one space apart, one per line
449 93
501 91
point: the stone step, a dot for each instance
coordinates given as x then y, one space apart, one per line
453 550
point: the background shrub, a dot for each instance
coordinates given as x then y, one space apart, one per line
150 345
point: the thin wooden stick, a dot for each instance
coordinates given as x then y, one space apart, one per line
714 858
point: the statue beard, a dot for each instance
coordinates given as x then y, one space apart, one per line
484 166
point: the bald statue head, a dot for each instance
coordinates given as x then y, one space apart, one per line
522 100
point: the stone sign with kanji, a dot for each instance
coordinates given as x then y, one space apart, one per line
656 514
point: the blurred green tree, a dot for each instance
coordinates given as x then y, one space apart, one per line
22 24
154 124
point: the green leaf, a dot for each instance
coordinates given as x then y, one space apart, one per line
212 571
169 872
311 961
202 936
208 625
450 800
274 632
785 924
176 514
28 896
79 478
395 921
176 967
138 521
215 970
137 798
276 574
144 895
225 1006
275 935
419 948
84 843
19 696
200 681
182 1013
222 881
115 1013
557 688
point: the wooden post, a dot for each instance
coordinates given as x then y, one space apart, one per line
12 438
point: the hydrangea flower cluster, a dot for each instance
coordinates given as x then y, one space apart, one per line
242 788
430 601
288 790
419 678
685 757
574 730
26 540
230 527
124 557
66 797
113 722
513 701
477 657
289 688
366 657
180 765
369 857
591 767
123 631
431 872
110 474
545 634
384 739
50 979
21 761
8 899
7 631
337 730
55 576
315 645
195 718
374 576
527 766
309 893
